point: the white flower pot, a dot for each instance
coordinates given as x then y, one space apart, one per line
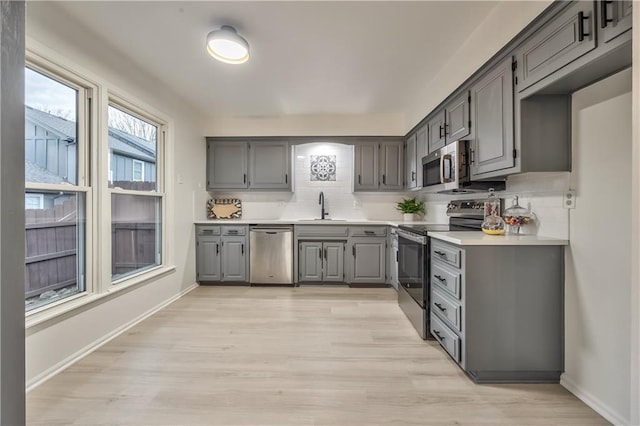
407 217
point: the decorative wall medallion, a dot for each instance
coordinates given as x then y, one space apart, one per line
224 208
323 168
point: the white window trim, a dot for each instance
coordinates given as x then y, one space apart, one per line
133 173
40 198
95 169
145 113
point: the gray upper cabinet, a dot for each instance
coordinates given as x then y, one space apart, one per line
269 165
227 165
391 162
378 166
411 176
565 38
492 115
369 260
457 121
208 258
366 167
436 127
234 259
422 148
614 18
262 165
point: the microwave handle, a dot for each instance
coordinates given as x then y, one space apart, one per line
442 169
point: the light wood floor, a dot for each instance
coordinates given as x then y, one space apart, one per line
286 356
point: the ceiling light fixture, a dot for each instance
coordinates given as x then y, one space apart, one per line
227 45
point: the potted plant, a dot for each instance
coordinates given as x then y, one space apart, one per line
410 207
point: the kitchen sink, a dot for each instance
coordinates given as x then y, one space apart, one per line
320 220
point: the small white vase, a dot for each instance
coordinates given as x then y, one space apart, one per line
407 217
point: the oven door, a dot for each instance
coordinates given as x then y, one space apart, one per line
412 265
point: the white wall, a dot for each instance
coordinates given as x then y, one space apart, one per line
52 344
506 20
598 261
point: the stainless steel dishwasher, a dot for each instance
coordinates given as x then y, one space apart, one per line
271 254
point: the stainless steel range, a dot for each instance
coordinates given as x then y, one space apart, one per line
413 259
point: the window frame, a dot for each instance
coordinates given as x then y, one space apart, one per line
85 116
133 172
143 112
92 181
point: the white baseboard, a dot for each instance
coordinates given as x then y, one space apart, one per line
596 404
75 357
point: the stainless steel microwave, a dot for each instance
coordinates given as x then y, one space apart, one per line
447 170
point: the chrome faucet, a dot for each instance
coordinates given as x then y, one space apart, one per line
321 202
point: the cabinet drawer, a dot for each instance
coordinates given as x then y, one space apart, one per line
321 231
207 230
446 337
234 230
368 231
449 254
449 310
447 280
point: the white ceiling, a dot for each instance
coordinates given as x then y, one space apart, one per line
307 57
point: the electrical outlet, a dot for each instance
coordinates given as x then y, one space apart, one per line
569 201
357 204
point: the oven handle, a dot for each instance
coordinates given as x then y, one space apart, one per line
420 239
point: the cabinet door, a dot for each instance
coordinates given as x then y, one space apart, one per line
492 115
208 259
411 162
227 165
333 268
234 260
563 40
368 257
422 147
615 18
457 121
366 167
436 132
391 170
310 261
269 165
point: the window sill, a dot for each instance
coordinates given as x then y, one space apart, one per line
73 305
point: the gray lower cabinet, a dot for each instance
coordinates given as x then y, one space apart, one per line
321 261
378 165
614 18
368 259
492 146
208 258
234 259
564 39
221 253
498 310
261 164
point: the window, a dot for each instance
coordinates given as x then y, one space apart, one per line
88 227
138 171
136 194
56 113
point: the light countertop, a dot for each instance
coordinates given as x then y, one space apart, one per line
479 238
347 222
